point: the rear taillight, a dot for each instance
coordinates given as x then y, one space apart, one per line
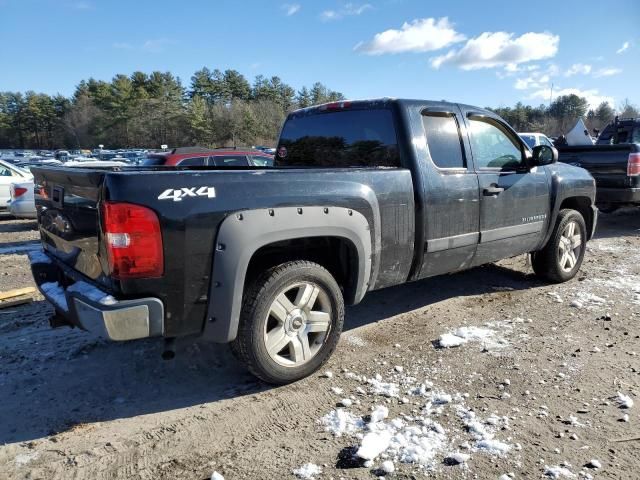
633 165
133 240
18 191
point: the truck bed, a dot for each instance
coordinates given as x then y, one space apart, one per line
69 200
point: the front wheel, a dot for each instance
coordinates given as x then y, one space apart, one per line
291 320
562 256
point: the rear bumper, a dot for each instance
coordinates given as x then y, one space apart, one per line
89 308
617 195
23 209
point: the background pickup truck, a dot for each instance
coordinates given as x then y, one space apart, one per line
614 161
365 195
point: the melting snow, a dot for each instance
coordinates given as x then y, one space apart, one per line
307 471
463 335
623 401
340 422
25 458
558 472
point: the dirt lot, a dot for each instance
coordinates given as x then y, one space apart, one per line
531 391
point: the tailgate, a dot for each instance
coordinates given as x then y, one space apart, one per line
607 163
68 216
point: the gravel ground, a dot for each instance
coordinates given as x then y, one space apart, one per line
537 386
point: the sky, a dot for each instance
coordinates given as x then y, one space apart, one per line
485 53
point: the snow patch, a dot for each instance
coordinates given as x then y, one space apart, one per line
340 422
623 401
26 458
463 335
557 471
307 471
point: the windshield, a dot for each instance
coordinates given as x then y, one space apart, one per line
529 140
346 138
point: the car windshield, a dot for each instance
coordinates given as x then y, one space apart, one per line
529 140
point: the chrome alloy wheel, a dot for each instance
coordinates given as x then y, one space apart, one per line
569 246
298 324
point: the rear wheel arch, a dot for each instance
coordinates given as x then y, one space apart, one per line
249 242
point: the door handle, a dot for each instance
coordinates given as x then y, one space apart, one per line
492 190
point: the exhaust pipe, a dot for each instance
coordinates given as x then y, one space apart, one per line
169 351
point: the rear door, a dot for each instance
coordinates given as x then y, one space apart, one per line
514 199
451 194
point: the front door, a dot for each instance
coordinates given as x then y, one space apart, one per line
514 199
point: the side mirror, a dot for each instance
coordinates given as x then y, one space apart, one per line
544 155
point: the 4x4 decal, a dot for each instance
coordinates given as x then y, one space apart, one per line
177 194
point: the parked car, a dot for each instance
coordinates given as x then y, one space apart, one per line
364 195
22 204
10 173
535 139
200 157
614 162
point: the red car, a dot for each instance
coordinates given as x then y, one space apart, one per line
200 157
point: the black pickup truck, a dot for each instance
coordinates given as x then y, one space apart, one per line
614 161
364 195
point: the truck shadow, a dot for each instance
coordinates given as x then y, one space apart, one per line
53 381
624 222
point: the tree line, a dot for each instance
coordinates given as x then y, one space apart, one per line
148 110
218 108
562 114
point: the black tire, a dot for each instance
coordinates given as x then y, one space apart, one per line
250 343
547 262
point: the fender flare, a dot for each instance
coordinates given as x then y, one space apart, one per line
242 234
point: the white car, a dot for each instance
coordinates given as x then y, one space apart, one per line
23 204
9 174
534 139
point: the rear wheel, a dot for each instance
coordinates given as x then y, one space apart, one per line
291 321
562 256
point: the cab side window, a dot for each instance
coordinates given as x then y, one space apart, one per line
493 146
193 162
230 160
443 140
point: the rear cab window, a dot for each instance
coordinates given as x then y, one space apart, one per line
193 162
343 138
444 140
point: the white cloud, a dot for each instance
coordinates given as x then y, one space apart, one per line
420 35
82 5
291 8
625 46
607 72
495 49
593 96
578 68
349 9
155 45
534 81
152 45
